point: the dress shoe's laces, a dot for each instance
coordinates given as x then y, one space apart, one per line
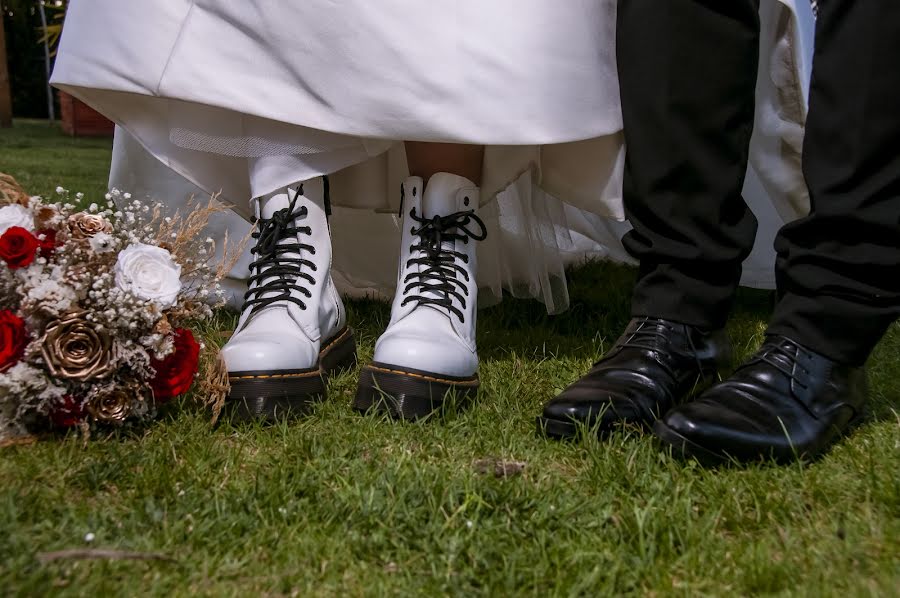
651 331
438 282
648 334
782 356
273 272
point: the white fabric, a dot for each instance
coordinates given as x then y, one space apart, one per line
321 87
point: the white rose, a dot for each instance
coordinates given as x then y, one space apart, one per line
150 273
15 215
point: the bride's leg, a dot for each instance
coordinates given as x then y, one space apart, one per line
426 159
428 353
292 330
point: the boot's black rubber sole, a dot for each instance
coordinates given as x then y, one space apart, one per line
269 396
404 393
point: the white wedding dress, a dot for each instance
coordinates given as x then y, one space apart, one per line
240 98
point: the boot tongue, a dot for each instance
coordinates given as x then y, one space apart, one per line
441 195
272 203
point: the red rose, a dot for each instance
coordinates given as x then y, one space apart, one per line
175 373
18 247
67 413
48 243
13 339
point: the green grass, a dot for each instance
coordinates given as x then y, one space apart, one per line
41 158
337 503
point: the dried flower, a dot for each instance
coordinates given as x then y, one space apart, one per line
47 239
11 192
67 412
102 328
163 326
15 215
74 350
101 243
46 217
111 406
84 226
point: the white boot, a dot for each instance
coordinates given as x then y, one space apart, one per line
428 349
292 331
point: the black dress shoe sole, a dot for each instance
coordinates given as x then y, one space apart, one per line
404 393
558 429
570 429
270 396
685 448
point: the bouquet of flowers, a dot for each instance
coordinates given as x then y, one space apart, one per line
95 307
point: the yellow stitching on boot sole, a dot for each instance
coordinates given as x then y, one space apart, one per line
473 382
270 376
333 342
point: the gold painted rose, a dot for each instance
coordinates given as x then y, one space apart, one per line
84 225
112 406
73 349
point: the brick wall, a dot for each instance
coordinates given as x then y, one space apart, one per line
80 120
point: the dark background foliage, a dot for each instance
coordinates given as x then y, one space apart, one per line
25 53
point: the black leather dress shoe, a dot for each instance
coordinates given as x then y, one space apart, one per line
654 364
785 403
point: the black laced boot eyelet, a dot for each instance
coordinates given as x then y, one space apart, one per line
274 277
440 280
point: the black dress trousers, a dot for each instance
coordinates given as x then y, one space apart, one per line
687 71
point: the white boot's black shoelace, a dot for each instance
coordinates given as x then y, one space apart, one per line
274 274
438 282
